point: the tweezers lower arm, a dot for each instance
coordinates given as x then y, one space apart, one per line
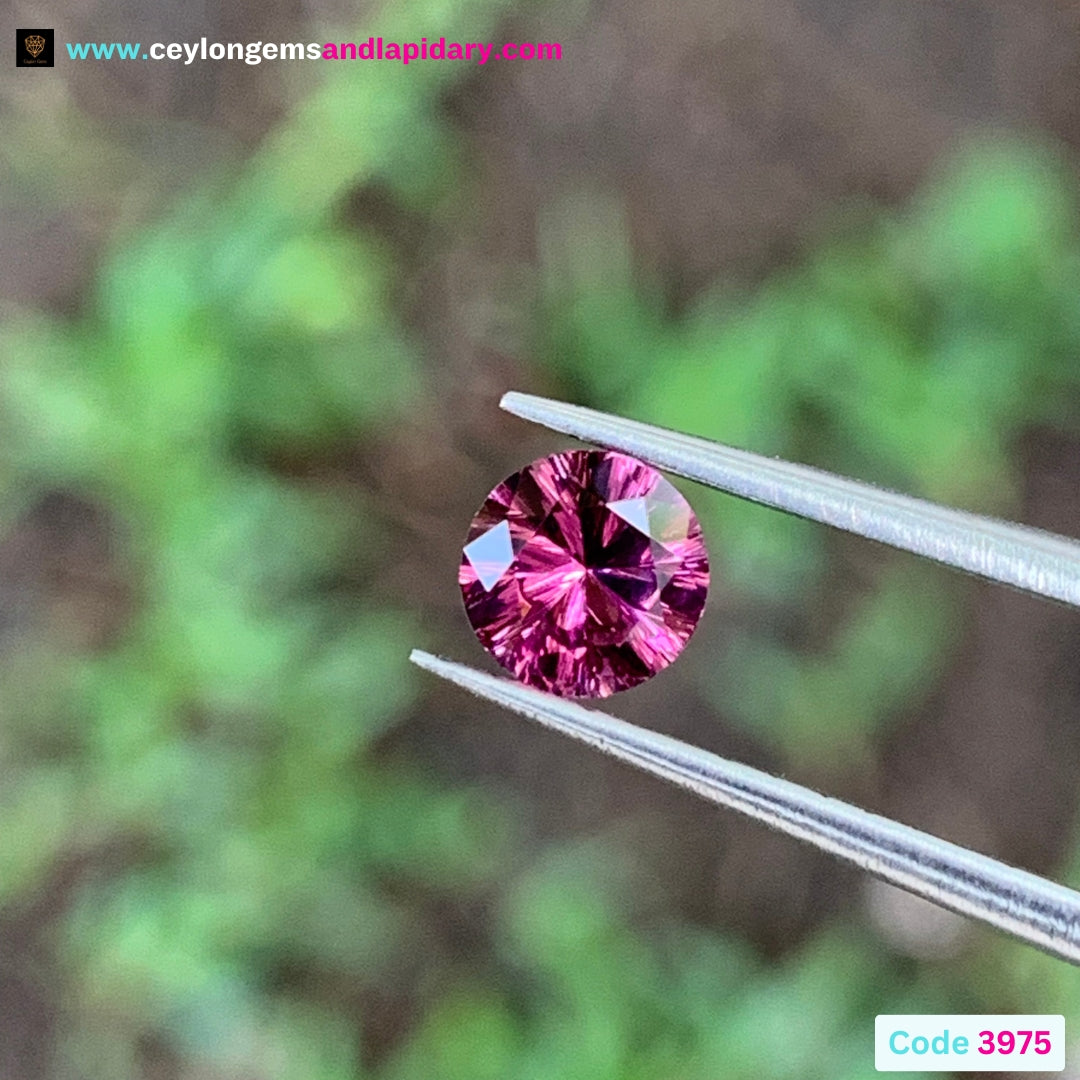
1022 904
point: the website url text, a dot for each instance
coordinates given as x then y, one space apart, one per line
375 48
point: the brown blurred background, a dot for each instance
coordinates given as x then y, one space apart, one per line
705 178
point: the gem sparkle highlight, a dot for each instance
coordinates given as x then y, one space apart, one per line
584 573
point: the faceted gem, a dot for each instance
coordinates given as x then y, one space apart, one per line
585 573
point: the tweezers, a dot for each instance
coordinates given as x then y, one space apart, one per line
1033 909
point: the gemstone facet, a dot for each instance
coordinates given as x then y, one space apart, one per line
585 573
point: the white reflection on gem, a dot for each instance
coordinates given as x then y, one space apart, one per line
669 514
663 515
491 554
632 511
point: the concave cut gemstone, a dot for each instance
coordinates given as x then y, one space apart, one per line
584 573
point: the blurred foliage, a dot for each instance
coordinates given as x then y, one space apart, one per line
911 354
209 770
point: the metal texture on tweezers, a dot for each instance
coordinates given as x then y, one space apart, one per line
1037 911
1031 908
1038 562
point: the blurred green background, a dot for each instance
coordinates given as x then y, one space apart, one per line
254 324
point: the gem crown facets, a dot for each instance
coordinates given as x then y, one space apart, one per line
585 573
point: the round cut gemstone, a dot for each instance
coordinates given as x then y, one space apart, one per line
584 573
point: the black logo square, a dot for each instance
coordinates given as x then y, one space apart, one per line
33 48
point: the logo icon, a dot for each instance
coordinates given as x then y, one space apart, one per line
33 48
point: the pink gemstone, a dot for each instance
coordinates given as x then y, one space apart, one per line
585 573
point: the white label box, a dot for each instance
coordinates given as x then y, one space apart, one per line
957 1043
